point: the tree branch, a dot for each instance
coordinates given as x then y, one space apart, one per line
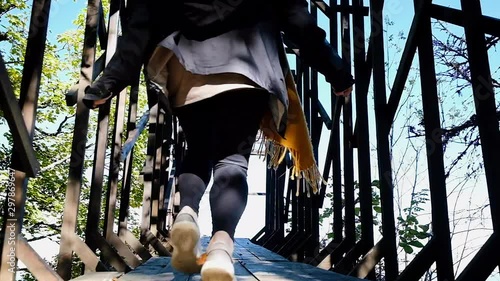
59 129
45 226
40 237
460 156
5 9
453 131
60 161
3 36
14 61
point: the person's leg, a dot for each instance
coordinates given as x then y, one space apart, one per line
236 127
236 124
197 164
193 179
228 196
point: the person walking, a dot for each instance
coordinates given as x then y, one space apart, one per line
223 89
225 75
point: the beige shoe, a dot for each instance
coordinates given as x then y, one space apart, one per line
219 264
185 240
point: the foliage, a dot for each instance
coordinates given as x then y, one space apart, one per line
54 125
7 6
410 232
459 121
460 139
53 132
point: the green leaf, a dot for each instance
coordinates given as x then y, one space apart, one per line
416 243
424 227
407 248
422 235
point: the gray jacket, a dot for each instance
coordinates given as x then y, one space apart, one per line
256 52
146 24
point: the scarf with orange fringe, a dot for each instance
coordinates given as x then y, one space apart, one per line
296 141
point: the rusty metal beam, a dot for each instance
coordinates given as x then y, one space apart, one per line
369 261
35 264
78 146
490 25
421 263
383 149
10 107
22 156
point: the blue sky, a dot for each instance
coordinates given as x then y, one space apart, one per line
63 12
62 15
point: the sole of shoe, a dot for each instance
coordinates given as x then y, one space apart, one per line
217 271
184 240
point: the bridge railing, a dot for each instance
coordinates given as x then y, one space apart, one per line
347 252
102 249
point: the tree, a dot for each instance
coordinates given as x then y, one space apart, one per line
463 159
55 122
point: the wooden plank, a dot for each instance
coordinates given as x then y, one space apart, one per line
405 64
490 25
30 84
242 274
157 143
155 269
123 250
99 276
127 175
369 261
383 147
253 268
129 238
15 120
243 255
240 253
114 165
284 271
35 264
159 269
258 251
147 175
101 29
108 253
151 239
482 264
97 178
78 147
91 261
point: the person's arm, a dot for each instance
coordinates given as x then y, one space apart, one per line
124 67
302 30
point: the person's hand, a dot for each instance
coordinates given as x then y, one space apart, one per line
344 93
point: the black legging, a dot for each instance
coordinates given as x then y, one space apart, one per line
220 132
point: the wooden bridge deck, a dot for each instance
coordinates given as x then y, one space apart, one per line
252 263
